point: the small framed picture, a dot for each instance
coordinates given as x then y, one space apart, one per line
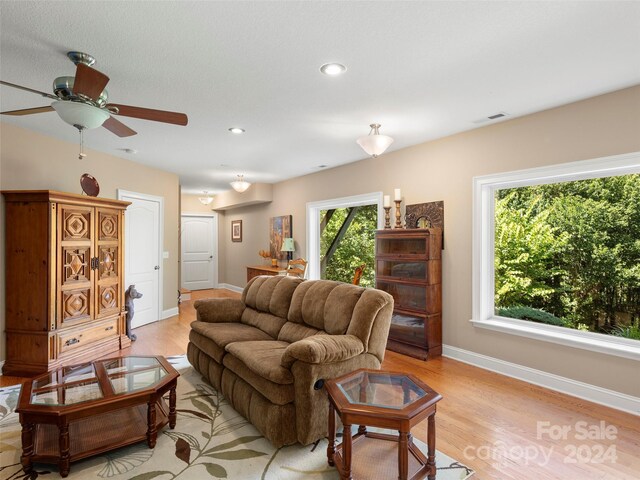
236 230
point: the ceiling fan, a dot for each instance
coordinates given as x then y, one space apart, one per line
81 101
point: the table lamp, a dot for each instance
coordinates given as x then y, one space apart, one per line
289 247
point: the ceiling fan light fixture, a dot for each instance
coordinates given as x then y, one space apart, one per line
240 185
207 199
374 143
80 115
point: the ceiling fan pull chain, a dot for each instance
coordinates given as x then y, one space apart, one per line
82 154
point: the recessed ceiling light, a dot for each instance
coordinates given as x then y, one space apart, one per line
322 166
333 69
236 130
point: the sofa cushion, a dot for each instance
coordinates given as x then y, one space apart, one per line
224 333
207 345
325 305
266 322
275 392
270 294
263 358
292 332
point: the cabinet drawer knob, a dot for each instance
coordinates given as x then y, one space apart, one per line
108 328
71 341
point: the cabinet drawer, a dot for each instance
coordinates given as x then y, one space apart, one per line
83 337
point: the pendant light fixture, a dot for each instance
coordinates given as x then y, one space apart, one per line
240 185
374 143
207 199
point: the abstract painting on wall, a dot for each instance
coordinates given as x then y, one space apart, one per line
279 229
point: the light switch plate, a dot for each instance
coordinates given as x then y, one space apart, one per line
165 254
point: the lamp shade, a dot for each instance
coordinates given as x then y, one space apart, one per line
288 245
240 185
374 143
80 115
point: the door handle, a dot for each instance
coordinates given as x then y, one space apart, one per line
157 267
210 257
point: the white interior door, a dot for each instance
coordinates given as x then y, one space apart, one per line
143 255
199 252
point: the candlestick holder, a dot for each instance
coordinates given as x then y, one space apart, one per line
398 221
387 218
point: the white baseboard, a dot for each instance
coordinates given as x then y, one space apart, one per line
586 391
228 286
171 312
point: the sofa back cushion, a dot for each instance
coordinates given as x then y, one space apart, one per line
270 294
324 305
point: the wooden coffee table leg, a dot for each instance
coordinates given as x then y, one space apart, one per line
431 446
346 452
27 447
172 407
152 433
403 455
331 448
64 463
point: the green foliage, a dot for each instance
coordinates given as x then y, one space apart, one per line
532 314
632 331
357 245
572 249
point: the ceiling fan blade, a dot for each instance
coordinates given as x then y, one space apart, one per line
89 81
28 111
119 128
150 114
20 87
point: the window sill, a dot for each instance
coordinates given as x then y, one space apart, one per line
595 342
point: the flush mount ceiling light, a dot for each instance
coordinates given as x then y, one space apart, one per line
207 199
240 185
333 69
80 115
374 143
236 130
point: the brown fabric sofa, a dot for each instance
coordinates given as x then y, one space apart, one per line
266 351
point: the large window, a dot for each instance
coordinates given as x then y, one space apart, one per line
557 254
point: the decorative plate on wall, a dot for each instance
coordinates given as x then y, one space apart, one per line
89 185
426 215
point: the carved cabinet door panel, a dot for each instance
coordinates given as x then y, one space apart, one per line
74 273
108 274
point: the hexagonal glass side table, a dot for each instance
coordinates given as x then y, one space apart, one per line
387 400
101 405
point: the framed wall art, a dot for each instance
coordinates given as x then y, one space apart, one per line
236 230
279 229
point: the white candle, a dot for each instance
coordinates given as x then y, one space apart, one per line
397 196
387 201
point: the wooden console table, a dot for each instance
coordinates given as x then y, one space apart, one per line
255 270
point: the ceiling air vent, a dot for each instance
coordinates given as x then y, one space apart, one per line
490 118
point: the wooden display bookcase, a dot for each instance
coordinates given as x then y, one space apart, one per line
409 267
64 279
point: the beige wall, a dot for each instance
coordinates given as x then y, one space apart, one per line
30 160
443 170
190 204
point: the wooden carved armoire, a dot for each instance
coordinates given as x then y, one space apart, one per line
64 279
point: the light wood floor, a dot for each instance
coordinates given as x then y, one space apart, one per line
487 421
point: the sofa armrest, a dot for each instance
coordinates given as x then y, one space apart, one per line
319 349
219 310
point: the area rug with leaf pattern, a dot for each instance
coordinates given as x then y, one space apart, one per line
211 440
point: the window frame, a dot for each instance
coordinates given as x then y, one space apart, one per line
313 223
483 270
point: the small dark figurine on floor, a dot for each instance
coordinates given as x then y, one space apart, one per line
129 296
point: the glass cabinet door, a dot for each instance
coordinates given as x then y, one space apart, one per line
401 246
402 269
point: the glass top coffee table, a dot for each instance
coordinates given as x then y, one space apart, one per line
387 400
78 411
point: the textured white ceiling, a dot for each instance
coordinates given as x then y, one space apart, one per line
422 69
